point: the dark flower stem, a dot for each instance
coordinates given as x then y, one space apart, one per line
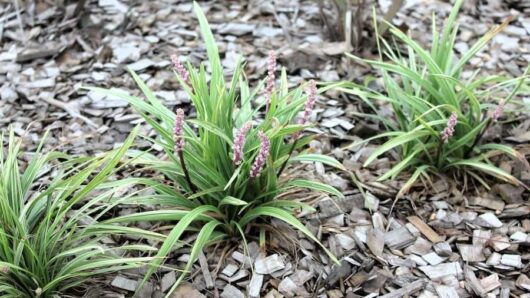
478 138
439 154
288 157
186 173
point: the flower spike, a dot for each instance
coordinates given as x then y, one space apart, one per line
262 156
498 111
181 70
450 129
239 143
271 69
178 131
309 105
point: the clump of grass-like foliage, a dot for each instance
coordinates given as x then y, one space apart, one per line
439 117
47 246
222 169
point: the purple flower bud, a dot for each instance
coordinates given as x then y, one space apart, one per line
239 143
181 70
450 129
498 111
309 105
177 133
260 160
4 269
271 69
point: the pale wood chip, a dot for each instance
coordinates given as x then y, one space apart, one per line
473 282
446 291
471 253
406 290
399 238
490 282
206 271
425 229
375 240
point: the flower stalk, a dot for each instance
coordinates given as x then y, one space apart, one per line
450 128
261 159
181 70
239 143
446 134
497 113
178 135
271 69
308 109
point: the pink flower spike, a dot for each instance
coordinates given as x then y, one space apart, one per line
498 111
450 129
181 70
260 160
239 143
178 131
271 69
309 105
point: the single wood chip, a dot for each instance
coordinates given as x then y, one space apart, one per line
446 291
441 270
375 239
359 278
406 290
124 283
505 293
488 220
488 203
494 259
433 259
443 249
490 283
499 242
420 247
187 291
205 271
31 54
481 237
230 270
471 253
512 260
167 281
399 238
425 229
269 264
254 288
232 292
523 282
473 282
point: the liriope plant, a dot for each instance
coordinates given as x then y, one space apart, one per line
439 118
223 168
49 235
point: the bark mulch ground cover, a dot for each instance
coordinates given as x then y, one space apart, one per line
450 239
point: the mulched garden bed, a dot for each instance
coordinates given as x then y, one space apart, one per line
453 238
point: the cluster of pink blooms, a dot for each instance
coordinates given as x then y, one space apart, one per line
181 70
260 160
498 111
309 105
178 131
450 129
239 143
271 69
